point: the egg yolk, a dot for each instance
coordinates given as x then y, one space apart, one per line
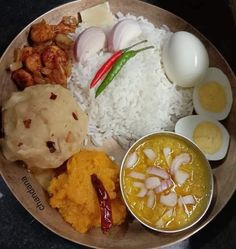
208 137
212 96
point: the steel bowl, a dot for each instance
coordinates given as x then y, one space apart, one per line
192 146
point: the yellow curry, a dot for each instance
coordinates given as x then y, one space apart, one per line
168 184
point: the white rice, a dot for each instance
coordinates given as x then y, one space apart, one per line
140 100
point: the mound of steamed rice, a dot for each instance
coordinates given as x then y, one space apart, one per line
140 100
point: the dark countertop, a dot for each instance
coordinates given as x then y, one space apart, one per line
213 19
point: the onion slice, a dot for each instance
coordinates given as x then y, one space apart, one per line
122 34
88 43
169 200
137 175
150 154
151 198
165 184
166 152
188 199
157 171
143 190
152 182
131 160
178 161
182 204
181 176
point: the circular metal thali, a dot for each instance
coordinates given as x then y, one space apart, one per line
131 234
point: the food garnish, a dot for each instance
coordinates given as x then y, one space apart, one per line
89 42
51 146
122 60
27 123
122 34
109 63
74 116
53 96
104 203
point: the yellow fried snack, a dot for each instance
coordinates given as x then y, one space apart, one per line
73 194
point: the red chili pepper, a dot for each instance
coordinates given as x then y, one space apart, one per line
104 203
109 63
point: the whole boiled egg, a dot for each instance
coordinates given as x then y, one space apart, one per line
185 59
213 97
208 134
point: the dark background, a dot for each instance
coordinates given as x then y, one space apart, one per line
214 19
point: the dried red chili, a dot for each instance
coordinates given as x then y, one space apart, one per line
51 146
74 116
104 203
27 123
53 96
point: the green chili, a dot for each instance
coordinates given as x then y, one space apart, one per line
117 67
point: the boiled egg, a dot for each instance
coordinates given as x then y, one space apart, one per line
213 97
208 134
185 59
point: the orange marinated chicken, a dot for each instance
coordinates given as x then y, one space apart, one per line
47 60
33 62
41 32
26 52
52 56
22 78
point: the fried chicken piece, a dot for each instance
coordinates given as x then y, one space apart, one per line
41 32
52 56
26 52
33 62
22 78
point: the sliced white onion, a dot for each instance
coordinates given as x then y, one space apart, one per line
137 175
122 34
165 184
169 212
160 223
152 182
178 161
131 160
85 45
181 176
151 199
143 190
138 184
166 152
182 204
157 171
150 154
188 199
165 217
169 200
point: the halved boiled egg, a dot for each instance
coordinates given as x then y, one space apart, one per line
208 134
213 97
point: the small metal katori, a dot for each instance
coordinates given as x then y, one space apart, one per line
190 144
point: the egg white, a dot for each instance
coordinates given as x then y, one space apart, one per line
185 126
214 74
